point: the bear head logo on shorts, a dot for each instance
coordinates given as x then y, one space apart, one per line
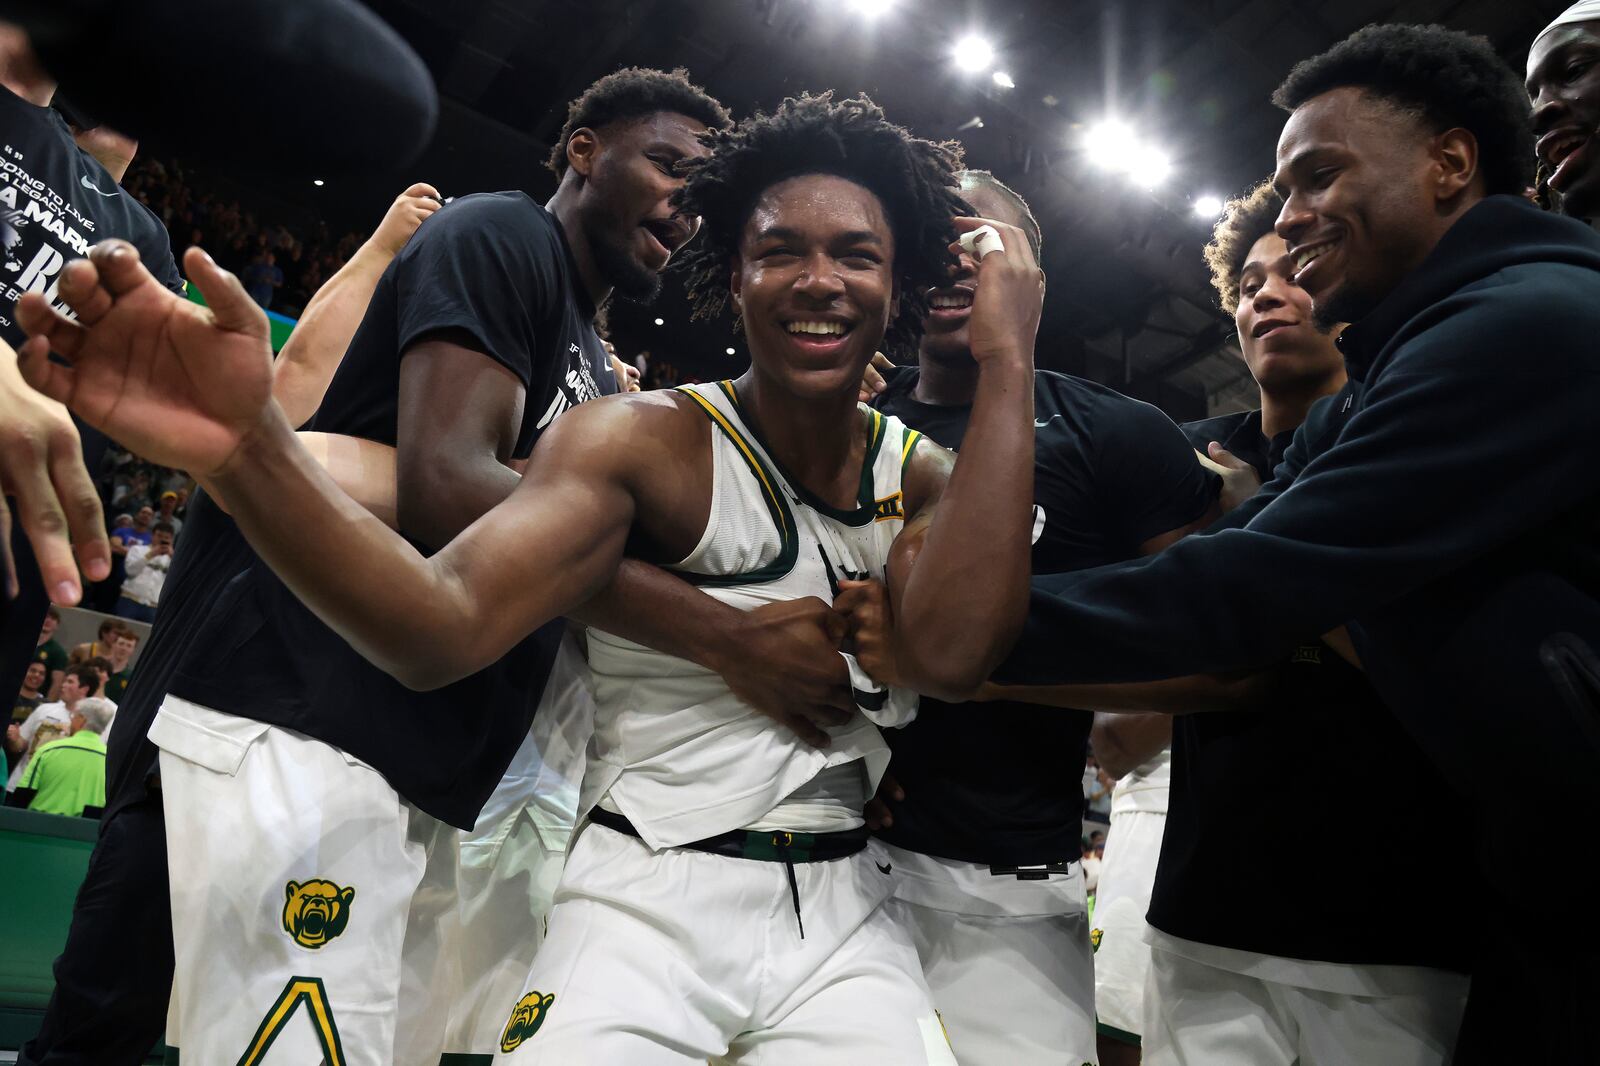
315 912
526 1017
1094 938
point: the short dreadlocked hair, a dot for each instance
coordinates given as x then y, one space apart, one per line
1244 221
914 179
634 92
983 179
1444 77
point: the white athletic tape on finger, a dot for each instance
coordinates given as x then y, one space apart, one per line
981 241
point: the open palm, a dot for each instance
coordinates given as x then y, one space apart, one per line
179 384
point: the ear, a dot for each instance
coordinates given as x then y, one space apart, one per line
583 148
290 889
1455 157
347 895
736 283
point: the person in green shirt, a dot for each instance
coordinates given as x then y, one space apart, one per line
69 774
52 654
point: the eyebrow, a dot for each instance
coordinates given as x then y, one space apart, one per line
1556 57
858 236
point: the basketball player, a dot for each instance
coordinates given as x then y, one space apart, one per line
712 827
477 337
1564 84
984 841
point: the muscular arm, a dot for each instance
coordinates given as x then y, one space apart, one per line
1124 742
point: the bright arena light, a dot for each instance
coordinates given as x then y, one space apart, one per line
973 54
661 321
317 182
1207 206
1110 144
1149 166
732 351
1002 79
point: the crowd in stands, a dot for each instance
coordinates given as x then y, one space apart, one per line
53 756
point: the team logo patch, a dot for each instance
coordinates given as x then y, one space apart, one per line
526 1017
1094 938
316 911
888 508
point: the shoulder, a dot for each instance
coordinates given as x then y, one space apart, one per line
509 224
634 424
1527 317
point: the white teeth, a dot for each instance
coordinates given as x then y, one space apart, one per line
1305 255
962 300
820 328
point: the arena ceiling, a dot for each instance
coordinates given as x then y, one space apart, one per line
1128 304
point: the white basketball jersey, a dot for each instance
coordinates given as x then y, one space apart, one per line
674 750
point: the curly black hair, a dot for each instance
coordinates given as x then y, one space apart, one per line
914 179
1445 77
983 179
1245 220
634 92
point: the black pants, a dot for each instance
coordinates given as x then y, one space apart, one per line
109 1007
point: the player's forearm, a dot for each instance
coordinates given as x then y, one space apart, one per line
966 598
649 606
1124 742
317 346
406 614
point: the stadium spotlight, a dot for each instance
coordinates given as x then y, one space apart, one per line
1149 166
1110 144
733 351
317 182
1004 80
870 8
973 54
1207 206
661 321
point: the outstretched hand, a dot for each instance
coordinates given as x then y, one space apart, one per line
179 384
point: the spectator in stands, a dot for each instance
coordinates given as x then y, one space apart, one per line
262 278
168 508
32 693
101 645
49 719
131 491
147 566
1097 786
123 645
102 671
69 774
52 654
144 520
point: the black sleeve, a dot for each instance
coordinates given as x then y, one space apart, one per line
483 265
155 247
1313 435
1481 429
1146 474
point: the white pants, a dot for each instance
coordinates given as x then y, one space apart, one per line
678 957
311 905
1008 961
508 882
1121 954
1205 1015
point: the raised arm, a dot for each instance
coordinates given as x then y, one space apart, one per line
313 351
958 573
191 387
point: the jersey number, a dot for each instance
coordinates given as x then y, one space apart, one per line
299 989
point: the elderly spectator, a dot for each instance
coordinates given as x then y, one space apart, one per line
69 774
147 566
50 719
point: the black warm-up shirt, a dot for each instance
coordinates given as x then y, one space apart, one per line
496 268
1260 822
1001 782
56 202
1451 521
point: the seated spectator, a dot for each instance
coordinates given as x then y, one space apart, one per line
123 645
50 720
147 566
166 511
101 645
32 693
51 653
69 774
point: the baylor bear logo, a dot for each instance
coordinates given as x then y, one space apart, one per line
314 912
1094 938
526 1017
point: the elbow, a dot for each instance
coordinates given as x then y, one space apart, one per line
955 677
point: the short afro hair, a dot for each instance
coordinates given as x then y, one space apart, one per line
1444 77
1244 221
914 179
982 179
634 92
